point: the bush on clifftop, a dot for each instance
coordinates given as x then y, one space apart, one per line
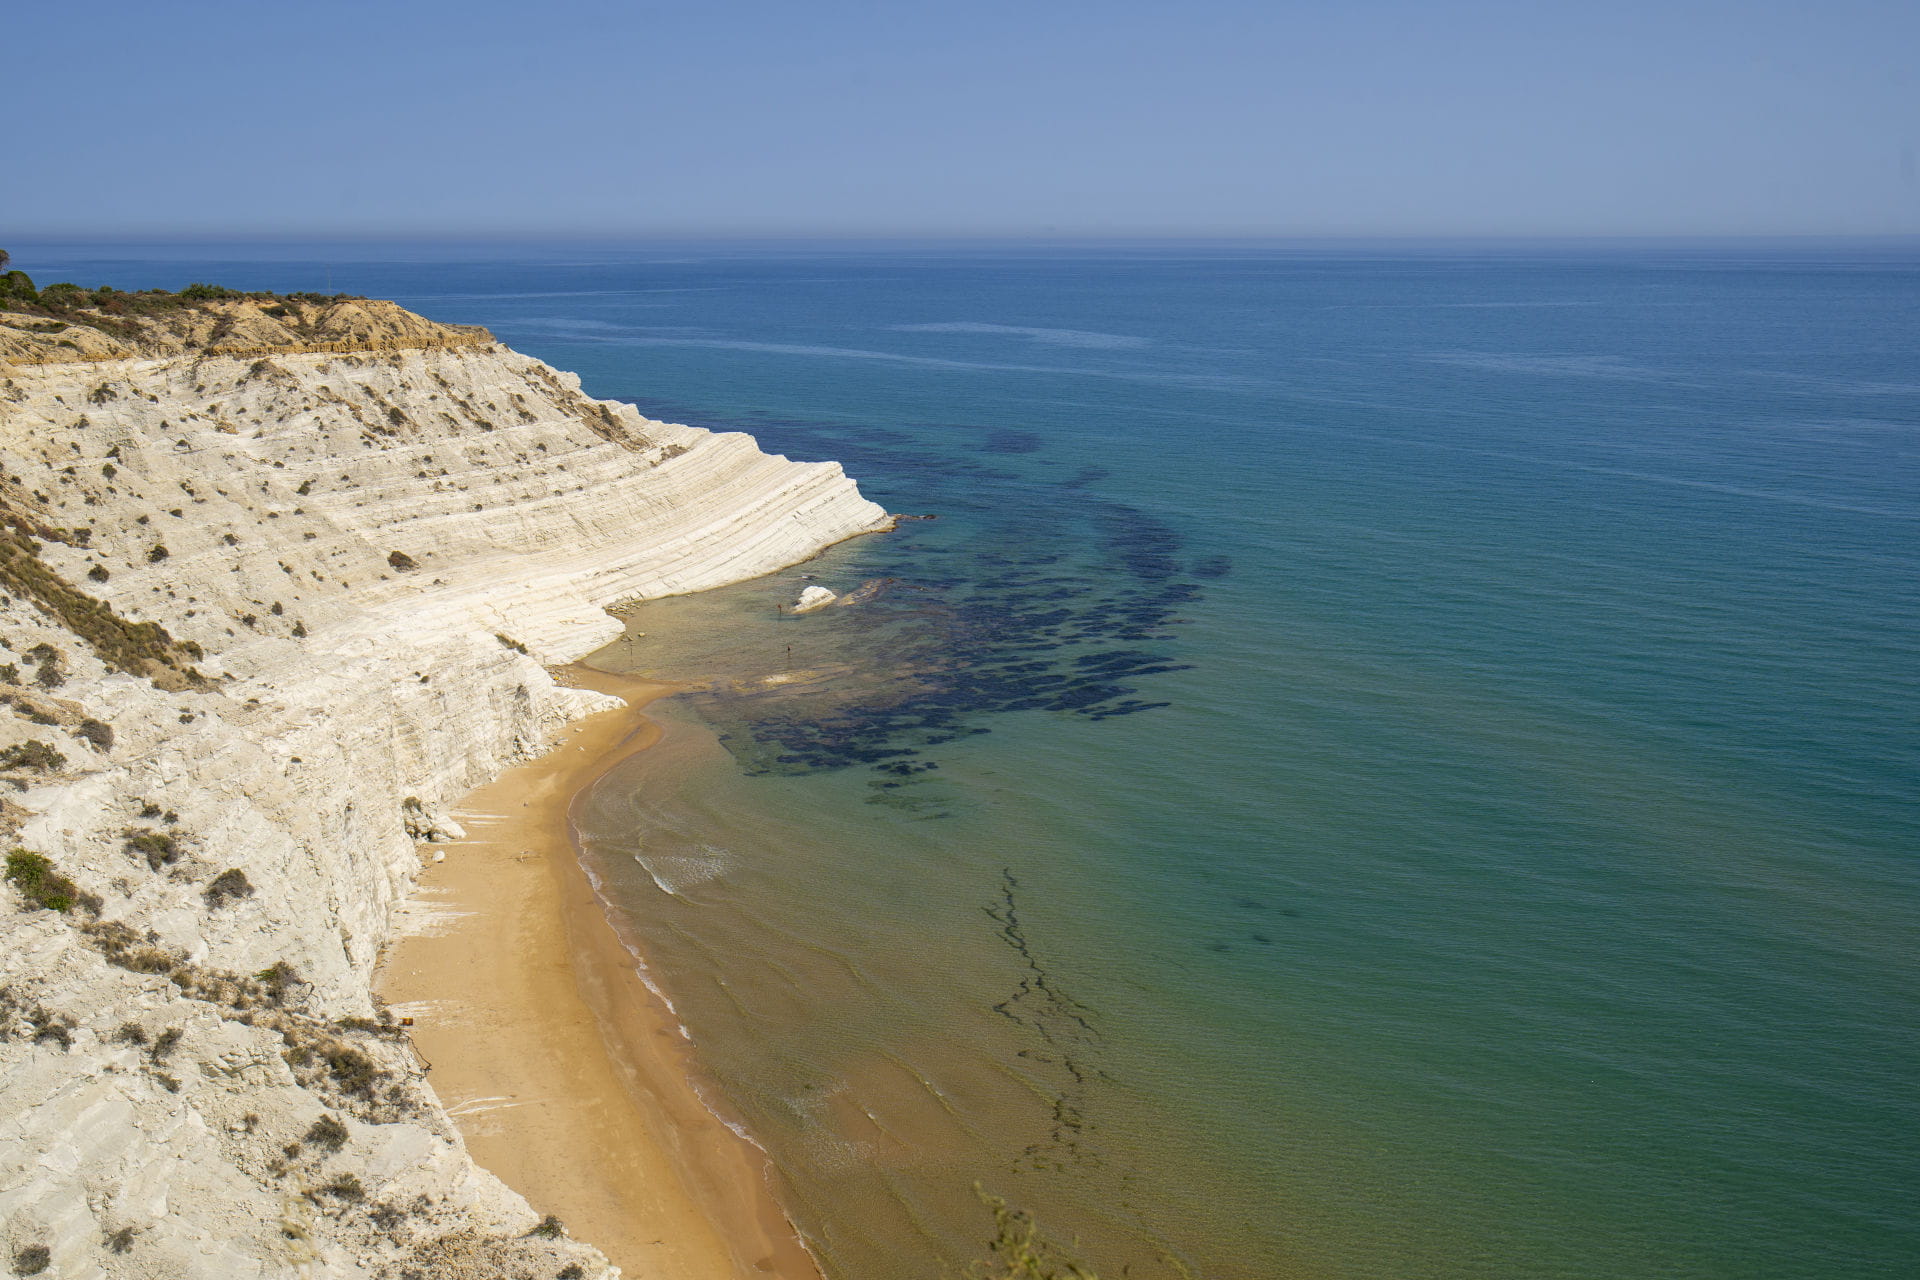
62 299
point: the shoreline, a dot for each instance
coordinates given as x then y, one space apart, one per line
568 1078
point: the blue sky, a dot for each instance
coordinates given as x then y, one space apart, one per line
1212 117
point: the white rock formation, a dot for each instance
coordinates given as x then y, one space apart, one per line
375 552
812 598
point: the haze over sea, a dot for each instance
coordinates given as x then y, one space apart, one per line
1391 762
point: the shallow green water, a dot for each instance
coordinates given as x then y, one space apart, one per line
1519 879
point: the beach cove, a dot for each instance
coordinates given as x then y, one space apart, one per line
567 1076
1411 749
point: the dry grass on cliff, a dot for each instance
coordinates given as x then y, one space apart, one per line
64 322
137 648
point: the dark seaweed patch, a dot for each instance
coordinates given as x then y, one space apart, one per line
1036 593
1004 441
1086 476
1212 567
1064 1042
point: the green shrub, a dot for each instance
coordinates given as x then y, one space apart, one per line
549 1228
277 978
327 1133
32 1260
351 1069
28 870
43 887
159 848
227 886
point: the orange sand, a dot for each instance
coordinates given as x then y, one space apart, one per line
567 1077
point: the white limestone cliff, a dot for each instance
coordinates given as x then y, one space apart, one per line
363 559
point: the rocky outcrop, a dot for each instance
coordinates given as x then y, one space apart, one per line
813 597
266 618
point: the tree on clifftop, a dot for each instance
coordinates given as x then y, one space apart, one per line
5 258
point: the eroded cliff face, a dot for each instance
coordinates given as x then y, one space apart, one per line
361 560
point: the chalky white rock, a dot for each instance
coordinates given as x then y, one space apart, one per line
376 551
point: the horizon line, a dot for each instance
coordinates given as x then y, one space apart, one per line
849 237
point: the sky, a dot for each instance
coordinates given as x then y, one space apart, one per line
990 118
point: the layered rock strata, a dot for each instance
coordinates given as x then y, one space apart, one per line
266 617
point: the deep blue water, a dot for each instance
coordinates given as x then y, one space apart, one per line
1446 803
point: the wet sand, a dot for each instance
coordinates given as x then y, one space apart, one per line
568 1078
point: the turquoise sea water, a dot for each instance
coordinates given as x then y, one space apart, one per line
1390 762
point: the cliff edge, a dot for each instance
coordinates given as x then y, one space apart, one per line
62 325
280 578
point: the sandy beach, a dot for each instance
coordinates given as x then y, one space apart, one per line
567 1077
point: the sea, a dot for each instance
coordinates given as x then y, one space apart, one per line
1370 761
